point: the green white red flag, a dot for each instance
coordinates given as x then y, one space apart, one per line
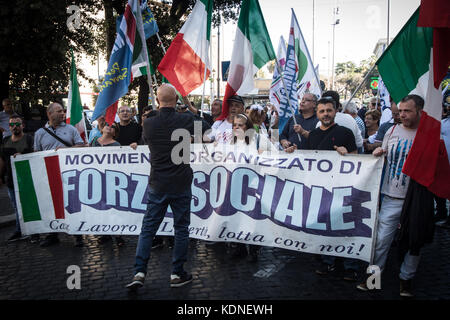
74 114
308 80
252 50
187 57
408 66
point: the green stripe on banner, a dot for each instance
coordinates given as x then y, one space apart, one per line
27 193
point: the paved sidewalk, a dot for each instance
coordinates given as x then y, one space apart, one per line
28 271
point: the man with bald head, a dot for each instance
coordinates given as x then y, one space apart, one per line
54 135
169 184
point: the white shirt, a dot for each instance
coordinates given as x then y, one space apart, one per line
386 116
221 131
396 143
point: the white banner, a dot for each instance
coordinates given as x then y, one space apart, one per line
309 201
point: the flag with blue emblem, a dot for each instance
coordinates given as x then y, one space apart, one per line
118 75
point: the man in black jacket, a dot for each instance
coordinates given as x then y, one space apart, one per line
169 184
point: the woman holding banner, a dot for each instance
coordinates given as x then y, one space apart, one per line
107 139
244 135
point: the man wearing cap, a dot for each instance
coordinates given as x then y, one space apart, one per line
222 130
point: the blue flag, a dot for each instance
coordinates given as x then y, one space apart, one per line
118 75
290 78
150 25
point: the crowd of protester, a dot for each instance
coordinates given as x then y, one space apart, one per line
322 123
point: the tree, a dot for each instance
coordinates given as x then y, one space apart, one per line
349 76
35 47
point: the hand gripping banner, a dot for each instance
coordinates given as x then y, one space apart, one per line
309 201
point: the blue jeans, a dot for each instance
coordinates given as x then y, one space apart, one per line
12 197
156 210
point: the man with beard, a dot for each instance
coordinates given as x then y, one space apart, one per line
17 143
331 136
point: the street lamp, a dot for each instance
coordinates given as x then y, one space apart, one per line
336 22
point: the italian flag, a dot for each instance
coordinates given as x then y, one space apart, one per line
408 66
186 63
308 81
35 179
252 50
74 115
140 52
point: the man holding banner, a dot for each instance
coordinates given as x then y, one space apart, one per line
57 134
306 122
331 136
396 146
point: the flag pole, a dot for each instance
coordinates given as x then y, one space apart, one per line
160 42
287 96
147 66
203 93
360 85
285 90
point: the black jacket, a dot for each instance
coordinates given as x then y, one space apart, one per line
416 220
165 176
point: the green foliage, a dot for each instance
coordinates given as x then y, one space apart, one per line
349 76
36 42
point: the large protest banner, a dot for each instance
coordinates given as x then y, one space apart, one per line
309 201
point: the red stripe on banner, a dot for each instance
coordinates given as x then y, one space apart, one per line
55 183
183 68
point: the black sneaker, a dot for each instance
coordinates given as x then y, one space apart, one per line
79 241
120 241
170 242
137 282
104 239
362 286
444 223
157 242
325 269
50 240
16 236
177 281
405 289
238 251
350 275
253 253
35 238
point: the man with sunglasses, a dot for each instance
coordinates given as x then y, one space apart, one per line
17 143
